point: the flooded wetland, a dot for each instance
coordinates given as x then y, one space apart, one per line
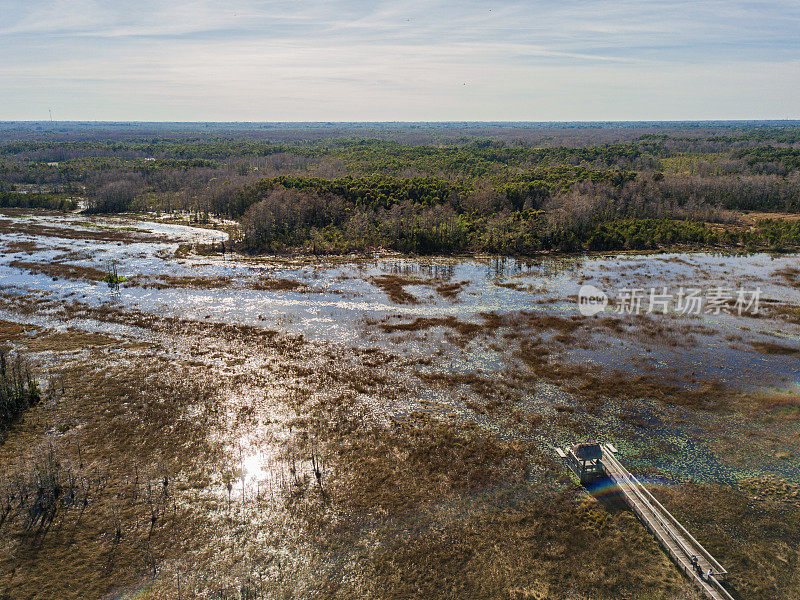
222 425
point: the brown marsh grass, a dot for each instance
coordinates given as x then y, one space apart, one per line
67 341
96 234
424 323
11 331
791 275
394 287
163 282
752 526
127 517
550 545
774 348
450 290
23 246
277 284
61 270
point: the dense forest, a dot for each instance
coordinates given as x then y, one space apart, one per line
427 188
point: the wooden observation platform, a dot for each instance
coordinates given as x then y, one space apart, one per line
592 460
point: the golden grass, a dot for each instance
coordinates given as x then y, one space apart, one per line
424 462
120 456
551 546
67 341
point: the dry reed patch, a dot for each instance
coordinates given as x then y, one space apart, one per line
484 387
421 461
177 326
654 330
595 389
755 536
525 323
217 282
70 256
163 282
68 341
774 348
791 275
127 443
12 332
513 285
548 540
788 313
268 284
536 354
771 406
28 247
708 396
538 322
450 290
61 270
424 323
393 286
98 234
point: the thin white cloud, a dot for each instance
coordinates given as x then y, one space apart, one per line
409 59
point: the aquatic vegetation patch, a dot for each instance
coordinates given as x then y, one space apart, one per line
97 234
423 323
24 246
163 282
67 341
774 348
11 331
61 270
277 284
791 275
450 289
394 286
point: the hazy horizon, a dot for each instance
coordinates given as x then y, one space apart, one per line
401 122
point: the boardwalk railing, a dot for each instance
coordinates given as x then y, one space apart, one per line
673 537
687 553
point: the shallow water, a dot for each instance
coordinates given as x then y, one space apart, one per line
339 301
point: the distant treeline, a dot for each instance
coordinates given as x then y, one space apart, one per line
425 217
45 201
437 190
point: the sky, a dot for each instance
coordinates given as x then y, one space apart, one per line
399 60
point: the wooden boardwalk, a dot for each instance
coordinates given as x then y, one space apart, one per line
672 536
